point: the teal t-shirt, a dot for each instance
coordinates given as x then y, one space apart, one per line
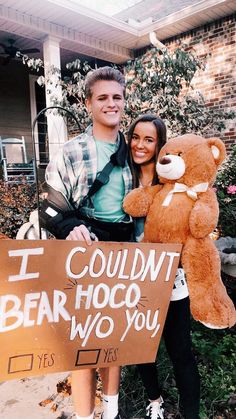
108 200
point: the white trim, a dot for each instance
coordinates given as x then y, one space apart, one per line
57 130
182 15
63 32
137 28
95 15
33 111
137 32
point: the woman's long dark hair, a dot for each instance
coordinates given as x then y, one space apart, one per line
161 140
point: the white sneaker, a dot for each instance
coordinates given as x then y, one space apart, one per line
155 410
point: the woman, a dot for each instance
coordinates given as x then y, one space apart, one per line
146 136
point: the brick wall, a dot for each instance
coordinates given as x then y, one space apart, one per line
216 44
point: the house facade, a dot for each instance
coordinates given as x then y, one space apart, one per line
216 43
63 30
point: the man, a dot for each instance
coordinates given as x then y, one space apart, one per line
70 213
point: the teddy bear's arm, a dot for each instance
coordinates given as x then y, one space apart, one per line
204 215
138 201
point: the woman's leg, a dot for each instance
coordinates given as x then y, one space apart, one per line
179 346
83 384
148 373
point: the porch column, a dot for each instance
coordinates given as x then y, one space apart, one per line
57 132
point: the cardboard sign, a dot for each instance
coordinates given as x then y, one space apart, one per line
65 305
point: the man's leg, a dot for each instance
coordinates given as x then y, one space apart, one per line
83 384
110 383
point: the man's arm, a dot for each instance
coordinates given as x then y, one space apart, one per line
57 216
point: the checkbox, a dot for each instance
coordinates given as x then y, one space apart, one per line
20 363
87 357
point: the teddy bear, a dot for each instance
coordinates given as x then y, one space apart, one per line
183 209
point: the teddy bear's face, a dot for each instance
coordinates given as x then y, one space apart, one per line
190 159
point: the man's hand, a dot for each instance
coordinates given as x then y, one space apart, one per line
81 233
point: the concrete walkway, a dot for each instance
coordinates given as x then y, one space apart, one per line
38 398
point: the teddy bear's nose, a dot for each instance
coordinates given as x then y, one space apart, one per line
165 160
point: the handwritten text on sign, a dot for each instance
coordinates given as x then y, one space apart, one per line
65 305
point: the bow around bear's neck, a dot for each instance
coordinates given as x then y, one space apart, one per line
191 191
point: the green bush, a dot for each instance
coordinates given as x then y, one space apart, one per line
159 81
216 354
226 193
215 351
17 202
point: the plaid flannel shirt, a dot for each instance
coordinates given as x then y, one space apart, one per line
74 169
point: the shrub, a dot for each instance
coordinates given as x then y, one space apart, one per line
226 193
159 81
215 351
17 201
216 354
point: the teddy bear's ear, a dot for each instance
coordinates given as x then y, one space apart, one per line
218 149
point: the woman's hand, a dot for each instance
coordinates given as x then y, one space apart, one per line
81 233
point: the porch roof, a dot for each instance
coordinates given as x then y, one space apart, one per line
111 34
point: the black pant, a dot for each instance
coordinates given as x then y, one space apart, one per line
107 231
177 338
